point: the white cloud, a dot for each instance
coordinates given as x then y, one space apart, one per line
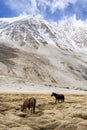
55 4
73 21
61 4
23 6
39 7
31 6
43 3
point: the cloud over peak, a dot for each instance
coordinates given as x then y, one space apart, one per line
73 21
64 11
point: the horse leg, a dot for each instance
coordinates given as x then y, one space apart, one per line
33 109
24 110
29 109
63 99
55 101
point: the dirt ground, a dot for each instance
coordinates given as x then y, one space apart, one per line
70 115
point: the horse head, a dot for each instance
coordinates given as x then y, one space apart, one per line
52 94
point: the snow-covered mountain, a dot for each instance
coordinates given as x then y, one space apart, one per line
30 31
39 51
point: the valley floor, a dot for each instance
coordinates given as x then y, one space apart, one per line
15 85
70 115
37 88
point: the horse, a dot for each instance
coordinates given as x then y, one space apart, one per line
29 103
58 97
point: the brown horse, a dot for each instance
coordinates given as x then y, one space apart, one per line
29 103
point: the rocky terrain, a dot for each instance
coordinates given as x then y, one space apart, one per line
36 51
70 115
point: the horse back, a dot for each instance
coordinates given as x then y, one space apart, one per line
32 102
60 97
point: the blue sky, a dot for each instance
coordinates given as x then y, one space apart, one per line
62 11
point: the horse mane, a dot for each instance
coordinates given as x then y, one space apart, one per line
55 94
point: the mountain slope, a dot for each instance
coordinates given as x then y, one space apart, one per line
31 32
37 51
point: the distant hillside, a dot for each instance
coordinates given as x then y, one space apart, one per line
35 50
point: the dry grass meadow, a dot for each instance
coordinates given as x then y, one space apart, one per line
70 115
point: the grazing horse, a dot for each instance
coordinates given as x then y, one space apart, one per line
58 97
29 103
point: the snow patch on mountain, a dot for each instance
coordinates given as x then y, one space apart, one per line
31 32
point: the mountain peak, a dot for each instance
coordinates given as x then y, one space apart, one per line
33 31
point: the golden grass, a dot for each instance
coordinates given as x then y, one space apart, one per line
70 115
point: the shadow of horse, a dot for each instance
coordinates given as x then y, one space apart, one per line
29 103
58 97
